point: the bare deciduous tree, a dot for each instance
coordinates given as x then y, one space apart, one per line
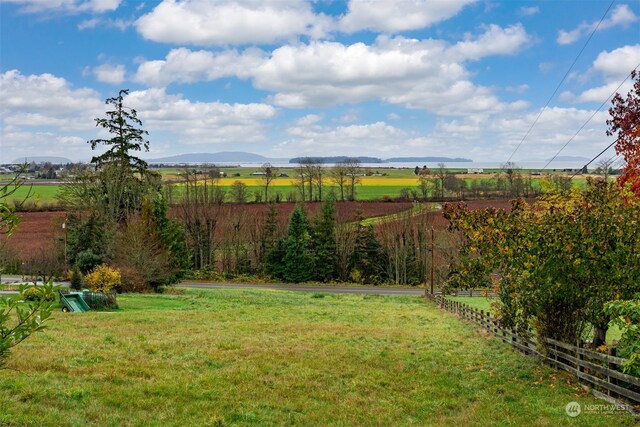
440 174
199 209
354 171
269 173
338 175
605 167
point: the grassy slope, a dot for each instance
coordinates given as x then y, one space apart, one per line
253 357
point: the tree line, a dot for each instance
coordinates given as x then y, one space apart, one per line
119 214
567 267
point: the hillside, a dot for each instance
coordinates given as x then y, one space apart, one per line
221 157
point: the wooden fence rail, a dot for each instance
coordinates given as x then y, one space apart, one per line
600 371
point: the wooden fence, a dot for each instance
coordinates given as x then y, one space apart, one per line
601 371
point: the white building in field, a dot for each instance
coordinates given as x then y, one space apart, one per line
475 170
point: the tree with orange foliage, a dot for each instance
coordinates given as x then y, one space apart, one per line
625 121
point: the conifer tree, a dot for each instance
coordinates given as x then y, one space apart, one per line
368 256
291 259
324 242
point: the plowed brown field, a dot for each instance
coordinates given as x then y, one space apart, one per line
37 229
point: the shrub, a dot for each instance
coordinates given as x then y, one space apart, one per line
103 279
132 281
87 261
355 276
76 279
170 290
626 315
35 293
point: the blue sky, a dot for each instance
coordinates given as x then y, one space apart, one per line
285 78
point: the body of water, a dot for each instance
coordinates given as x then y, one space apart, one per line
453 165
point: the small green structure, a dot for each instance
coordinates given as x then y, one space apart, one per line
73 302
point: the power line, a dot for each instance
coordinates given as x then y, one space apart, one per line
561 81
589 119
603 151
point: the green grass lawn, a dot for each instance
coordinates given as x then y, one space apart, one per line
260 357
476 302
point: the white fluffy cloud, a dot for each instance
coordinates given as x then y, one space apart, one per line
186 66
200 122
618 63
499 137
203 22
308 137
470 136
394 16
46 96
66 6
494 41
613 67
427 74
110 73
622 15
44 114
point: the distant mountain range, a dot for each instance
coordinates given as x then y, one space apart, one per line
221 157
244 157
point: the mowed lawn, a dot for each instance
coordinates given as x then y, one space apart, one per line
261 357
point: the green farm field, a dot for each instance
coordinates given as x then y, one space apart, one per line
260 357
370 188
39 194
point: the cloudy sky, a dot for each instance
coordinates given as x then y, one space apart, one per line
286 78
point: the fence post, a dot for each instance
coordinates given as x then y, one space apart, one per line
611 351
579 356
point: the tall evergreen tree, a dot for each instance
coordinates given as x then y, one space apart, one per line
324 242
268 236
291 260
368 256
121 122
122 180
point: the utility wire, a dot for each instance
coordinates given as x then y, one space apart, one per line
603 151
561 81
589 119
